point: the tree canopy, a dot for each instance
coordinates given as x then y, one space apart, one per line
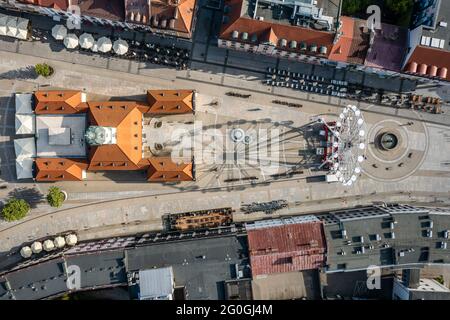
55 197
15 209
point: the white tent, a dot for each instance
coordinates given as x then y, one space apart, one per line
23 103
22 28
87 41
36 247
25 148
24 168
25 124
26 252
120 47
71 41
71 239
104 44
11 26
3 21
95 47
48 245
59 32
59 242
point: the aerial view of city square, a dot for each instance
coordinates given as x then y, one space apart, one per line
241 151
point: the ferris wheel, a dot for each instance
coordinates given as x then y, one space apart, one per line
347 140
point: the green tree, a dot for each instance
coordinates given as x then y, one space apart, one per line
398 7
15 209
55 197
43 69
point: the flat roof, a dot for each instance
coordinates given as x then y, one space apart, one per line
156 283
51 144
436 13
385 236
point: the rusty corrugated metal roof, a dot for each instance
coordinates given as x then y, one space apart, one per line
291 247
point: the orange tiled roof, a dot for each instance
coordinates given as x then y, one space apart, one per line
162 169
352 45
272 32
170 101
431 57
126 117
58 101
182 13
59 169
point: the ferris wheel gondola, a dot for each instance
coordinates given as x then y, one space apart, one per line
347 138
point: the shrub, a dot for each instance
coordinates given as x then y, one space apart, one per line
15 209
43 69
55 197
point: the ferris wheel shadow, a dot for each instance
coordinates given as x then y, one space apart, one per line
296 147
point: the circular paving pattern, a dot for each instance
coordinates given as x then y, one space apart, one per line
396 149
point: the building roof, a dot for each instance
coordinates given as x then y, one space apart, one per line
24 168
58 101
25 124
156 283
127 152
384 236
388 49
106 9
164 169
55 4
59 169
435 62
178 15
25 148
24 103
353 43
170 101
285 247
257 31
46 135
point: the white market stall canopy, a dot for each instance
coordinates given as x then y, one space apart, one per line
3 20
59 32
71 41
25 124
120 47
104 44
24 102
22 29
87 41
11 27
24 168
25 148
14 27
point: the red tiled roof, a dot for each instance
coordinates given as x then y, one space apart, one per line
58 102
181 13
352 45
164 169
291 247
430 57
272 32
170 101
59 169
126 117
